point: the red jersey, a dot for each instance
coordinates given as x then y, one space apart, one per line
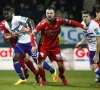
50 32
4 27
96 21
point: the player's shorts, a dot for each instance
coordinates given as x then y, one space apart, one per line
22 48
54 54
91 56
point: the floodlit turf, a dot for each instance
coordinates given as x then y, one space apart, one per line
78 80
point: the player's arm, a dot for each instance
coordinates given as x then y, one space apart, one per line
73 22
35 32
96 32
10 35
27 23
6 36
79 44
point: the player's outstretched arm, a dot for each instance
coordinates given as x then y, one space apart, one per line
79 44
75 23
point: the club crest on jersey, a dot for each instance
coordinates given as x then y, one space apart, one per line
96 31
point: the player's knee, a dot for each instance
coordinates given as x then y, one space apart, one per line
60 64
94 66
25 60
16 57
40 66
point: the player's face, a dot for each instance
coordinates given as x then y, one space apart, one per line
50 14
7 15
98 15
86 18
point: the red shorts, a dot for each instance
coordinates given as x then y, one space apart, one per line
54 54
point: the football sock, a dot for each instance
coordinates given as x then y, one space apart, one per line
22 64
31 66
17 67
61 72
42 74
97 71
48 67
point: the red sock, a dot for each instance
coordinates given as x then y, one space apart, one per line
31 67
22 63
42 74
61 72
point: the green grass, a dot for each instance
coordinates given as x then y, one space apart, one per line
77 80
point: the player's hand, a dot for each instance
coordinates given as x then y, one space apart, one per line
34 48
7 35
14 33
96 58
78 45
85 27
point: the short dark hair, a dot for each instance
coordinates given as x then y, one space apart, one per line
8 8
49 8
97 9
85 12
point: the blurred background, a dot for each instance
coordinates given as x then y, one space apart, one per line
69 36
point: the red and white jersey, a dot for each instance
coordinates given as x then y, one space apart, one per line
4 27
97 21
50 32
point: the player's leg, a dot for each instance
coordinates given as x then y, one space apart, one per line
23 66
32 55
52 70
94 66
58 58
61 69
18 50
30 65
41 57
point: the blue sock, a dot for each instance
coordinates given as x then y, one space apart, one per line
97 71
17 67
48 67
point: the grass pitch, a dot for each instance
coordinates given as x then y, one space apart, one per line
77 80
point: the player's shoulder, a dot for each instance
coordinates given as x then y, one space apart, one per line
16 18
3 22
94 23
58 18
42 22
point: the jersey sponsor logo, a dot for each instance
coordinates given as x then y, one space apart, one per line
52 32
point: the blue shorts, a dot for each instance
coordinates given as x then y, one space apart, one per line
22 48
91 56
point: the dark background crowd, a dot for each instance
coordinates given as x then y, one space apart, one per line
35 9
